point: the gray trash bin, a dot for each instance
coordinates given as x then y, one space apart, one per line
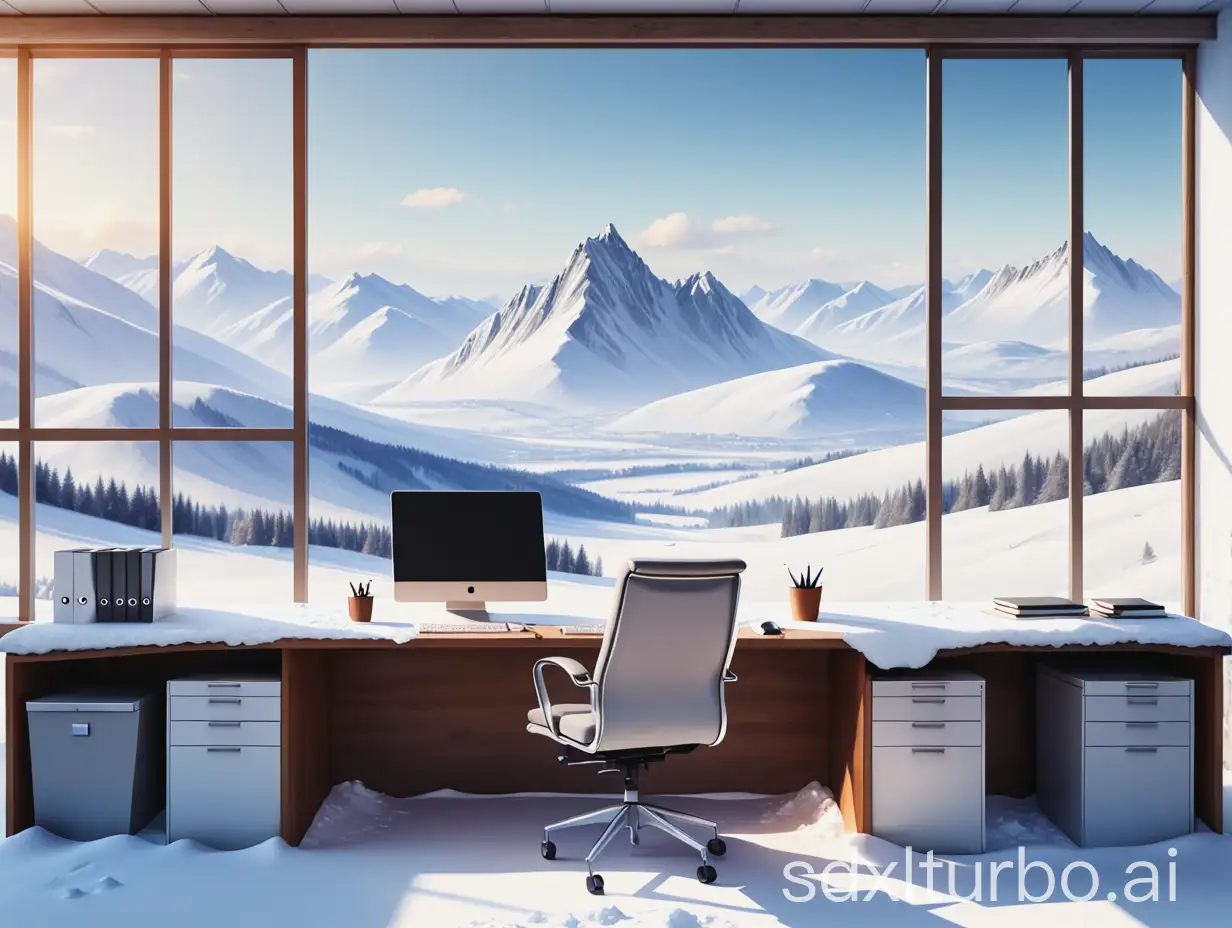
95 758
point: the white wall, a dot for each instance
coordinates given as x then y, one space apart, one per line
1214 340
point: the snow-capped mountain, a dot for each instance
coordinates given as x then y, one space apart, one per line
1031 303
119 264
969 286
862 298
360 328
893 332
607 333
809 400
788 308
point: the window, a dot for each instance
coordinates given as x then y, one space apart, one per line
95 176
696 322
690 342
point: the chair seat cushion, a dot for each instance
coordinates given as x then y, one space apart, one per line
574 720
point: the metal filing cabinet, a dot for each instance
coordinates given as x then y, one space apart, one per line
928 760
94 760
224 769
1114 755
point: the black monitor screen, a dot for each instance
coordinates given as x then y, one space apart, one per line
490 537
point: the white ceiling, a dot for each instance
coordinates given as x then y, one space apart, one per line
393 7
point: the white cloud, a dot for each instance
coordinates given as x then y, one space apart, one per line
370 250
681 232
742 225
433 197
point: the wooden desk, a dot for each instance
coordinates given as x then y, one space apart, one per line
449 711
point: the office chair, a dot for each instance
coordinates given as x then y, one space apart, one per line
657 689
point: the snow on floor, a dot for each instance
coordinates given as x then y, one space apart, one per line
447 860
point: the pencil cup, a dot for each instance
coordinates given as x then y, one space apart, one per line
361 608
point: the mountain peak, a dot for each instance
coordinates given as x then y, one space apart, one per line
609 239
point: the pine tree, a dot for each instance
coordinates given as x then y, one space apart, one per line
552 555
598 571
1148 554
565 562
581 563
1056 483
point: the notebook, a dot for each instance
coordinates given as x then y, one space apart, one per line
1131 607
1038 606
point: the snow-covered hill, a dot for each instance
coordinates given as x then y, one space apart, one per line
825 397
607 333
1004 442
119 264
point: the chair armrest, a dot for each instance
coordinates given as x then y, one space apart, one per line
729 677
577 673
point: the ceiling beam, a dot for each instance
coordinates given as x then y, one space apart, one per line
563 31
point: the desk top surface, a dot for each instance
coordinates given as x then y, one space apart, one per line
890 635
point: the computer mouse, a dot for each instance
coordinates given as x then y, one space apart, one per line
770 628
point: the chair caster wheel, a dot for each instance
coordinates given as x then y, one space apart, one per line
548 850
716 846
594 885
707 873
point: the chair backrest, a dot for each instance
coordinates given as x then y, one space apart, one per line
664 655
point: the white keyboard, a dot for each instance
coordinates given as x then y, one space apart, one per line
583 629
444 628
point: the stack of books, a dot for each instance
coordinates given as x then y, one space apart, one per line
1038 607
1127 608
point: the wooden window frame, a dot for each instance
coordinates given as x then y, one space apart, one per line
1120 37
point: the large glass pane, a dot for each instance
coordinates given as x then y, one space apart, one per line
9 543
8 239
1132 511
1004 212
1132 210
232 521
232 241
691 342
91 494
95 175
1005 531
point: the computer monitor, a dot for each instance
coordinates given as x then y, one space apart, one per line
465 548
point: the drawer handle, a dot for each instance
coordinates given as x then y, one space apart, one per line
223 750
928 724
928 686
223 724
1142 700
221 685
928 750
228 700
1142 686
928 699
1141 724
1141 750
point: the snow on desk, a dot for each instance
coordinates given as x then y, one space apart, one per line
890 635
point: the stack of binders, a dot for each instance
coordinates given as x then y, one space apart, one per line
1038 607
113 585
1130 608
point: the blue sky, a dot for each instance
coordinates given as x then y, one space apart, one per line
473 171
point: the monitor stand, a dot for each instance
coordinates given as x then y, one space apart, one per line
474 609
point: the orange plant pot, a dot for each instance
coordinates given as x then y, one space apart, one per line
805 603
361 608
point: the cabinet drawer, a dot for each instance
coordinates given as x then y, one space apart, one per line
225 731
224 687
212 708
224 797
1137 708
929 734
928 687
1115 734
930 799
1136 795
1137 687
928 708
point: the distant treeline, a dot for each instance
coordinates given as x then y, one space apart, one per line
561 556
1147 453
1091 373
